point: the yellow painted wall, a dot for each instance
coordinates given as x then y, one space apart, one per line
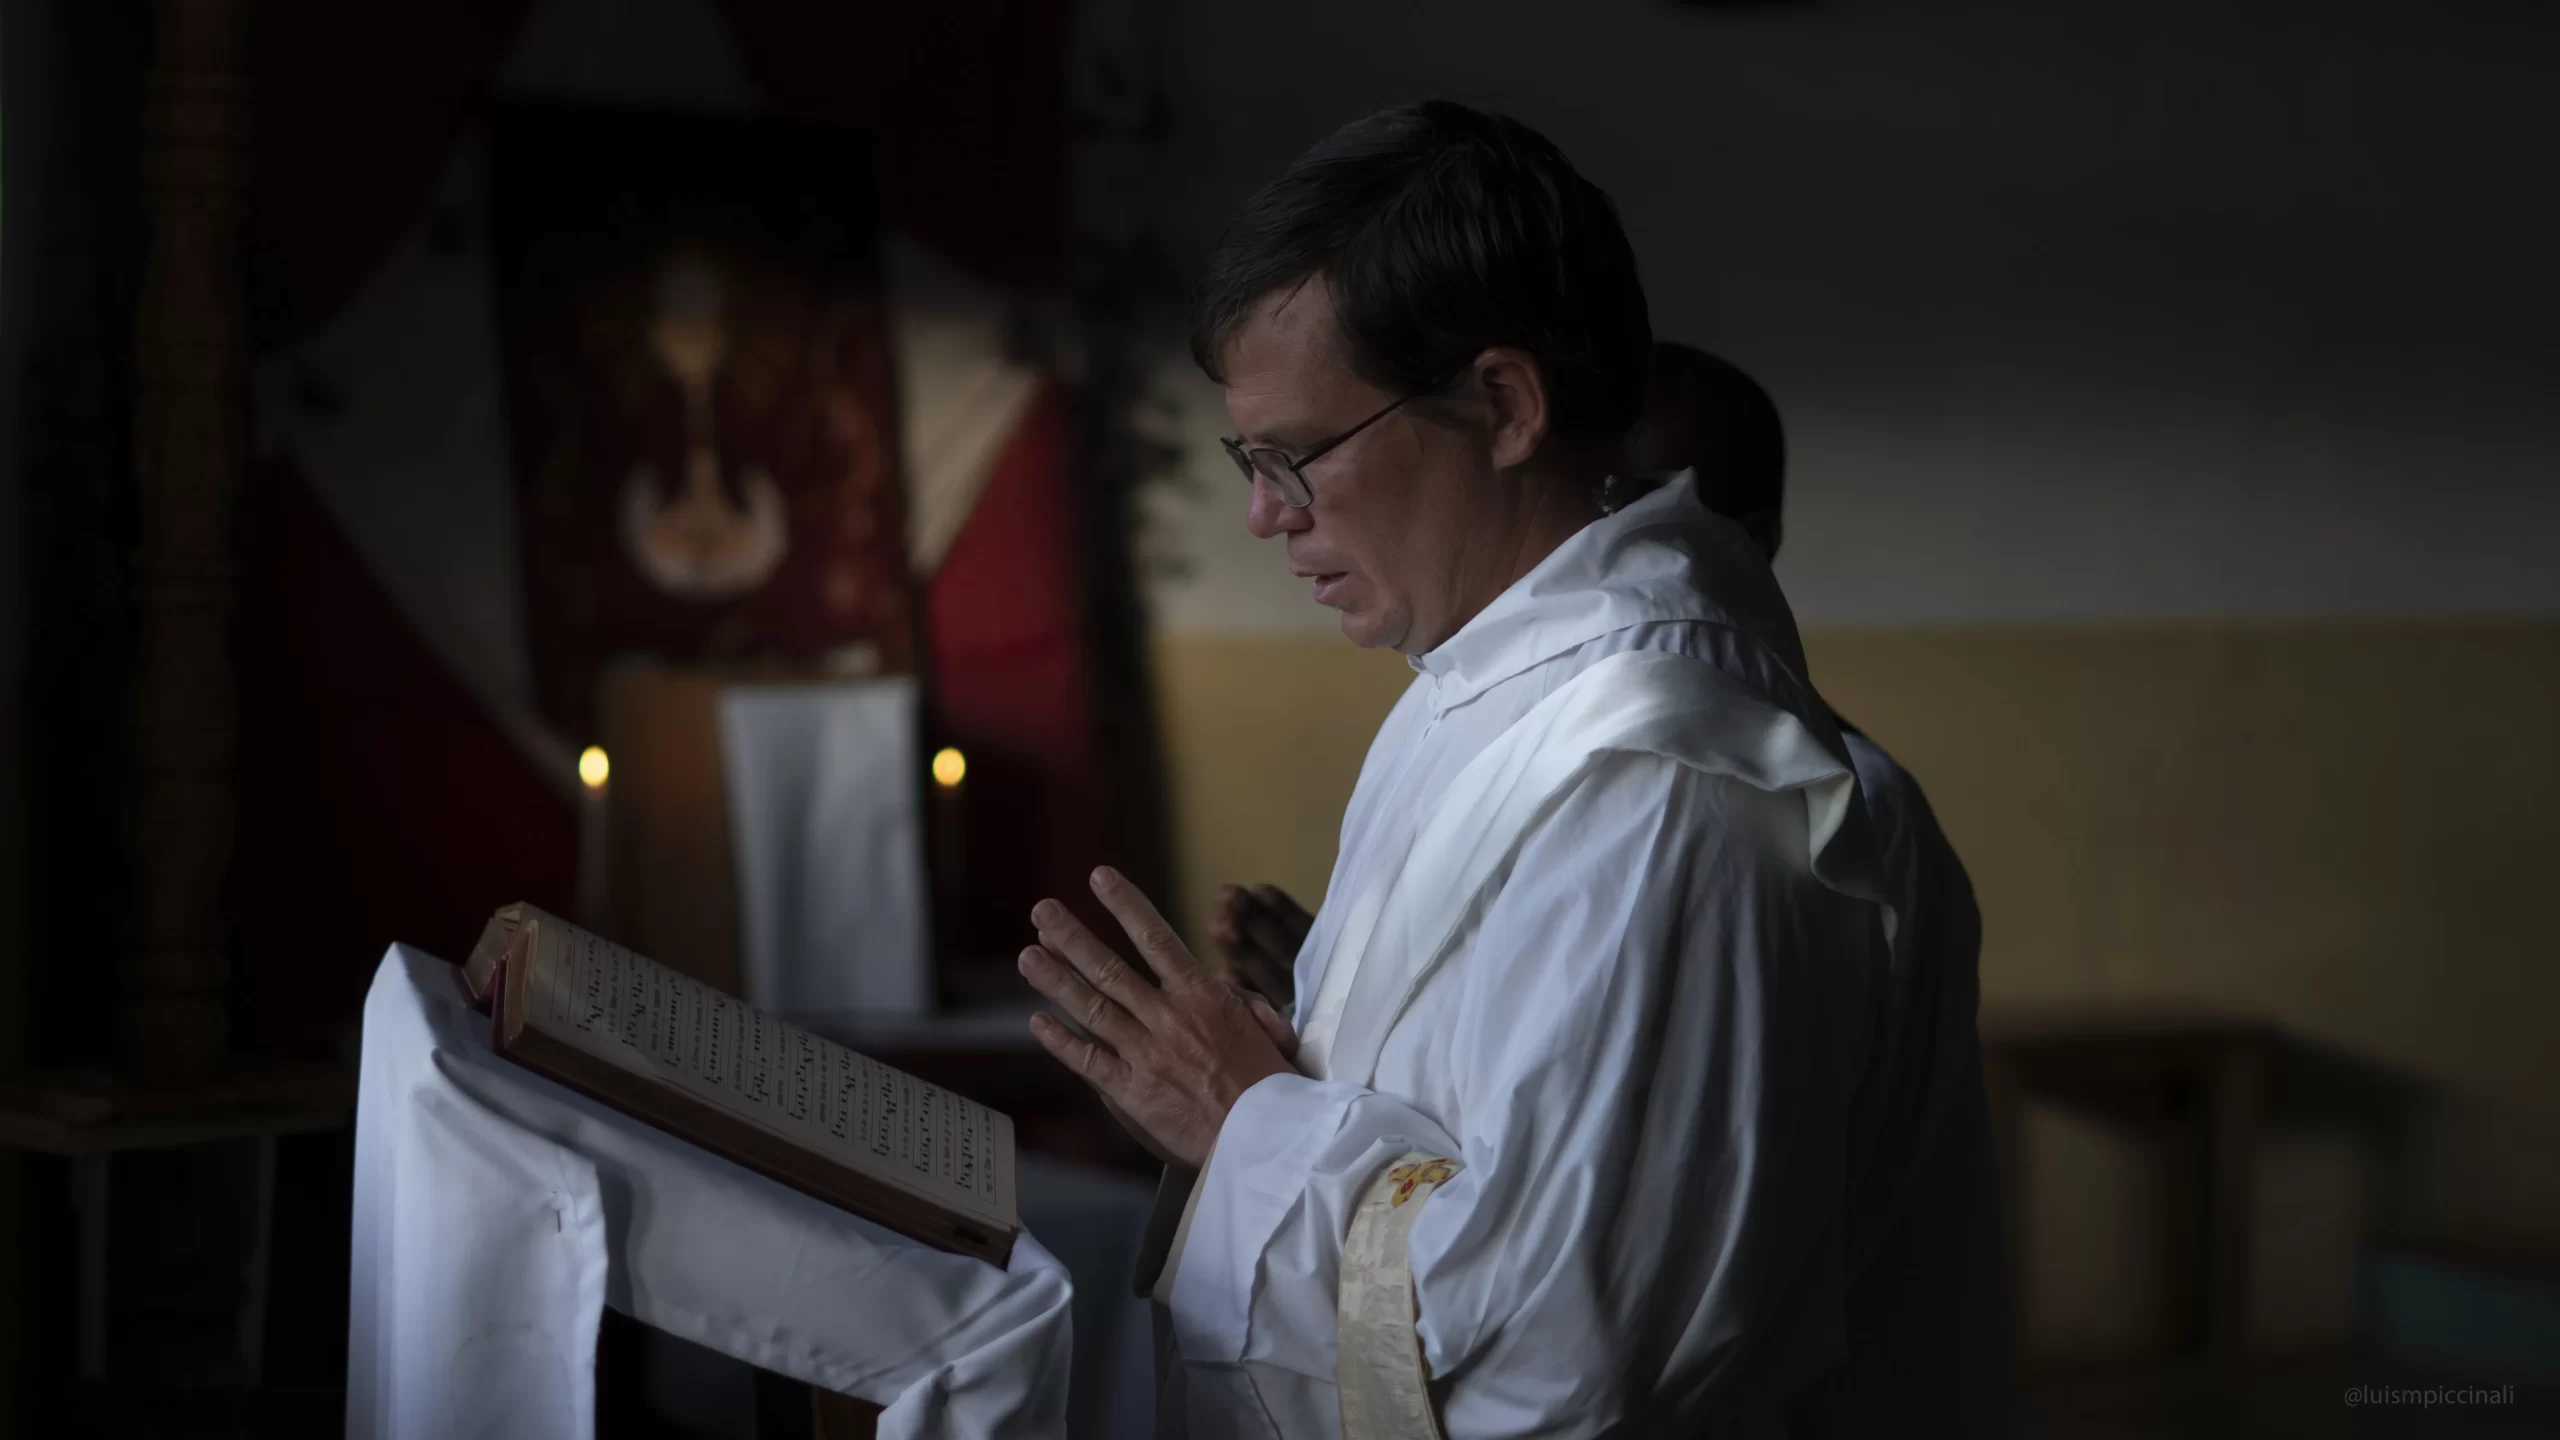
2352 828
1263 737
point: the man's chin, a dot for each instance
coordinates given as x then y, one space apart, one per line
1370 631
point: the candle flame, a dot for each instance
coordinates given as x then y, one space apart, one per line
950 767
594 768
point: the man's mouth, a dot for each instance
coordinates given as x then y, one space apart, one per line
1326 582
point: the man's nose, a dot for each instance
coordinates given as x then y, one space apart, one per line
1265 514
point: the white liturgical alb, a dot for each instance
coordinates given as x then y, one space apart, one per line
1607 931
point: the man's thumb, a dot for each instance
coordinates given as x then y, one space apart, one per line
1272 1025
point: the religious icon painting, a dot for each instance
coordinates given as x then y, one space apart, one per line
699 393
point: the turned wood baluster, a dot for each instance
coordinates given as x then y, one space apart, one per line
189 435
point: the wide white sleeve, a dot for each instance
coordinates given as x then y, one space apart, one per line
1664 1018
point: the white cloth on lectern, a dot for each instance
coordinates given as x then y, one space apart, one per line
823 785
497 1213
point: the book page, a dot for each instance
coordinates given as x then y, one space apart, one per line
810 1091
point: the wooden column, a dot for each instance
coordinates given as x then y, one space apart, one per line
190 421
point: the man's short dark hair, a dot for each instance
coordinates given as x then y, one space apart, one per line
1443 231
1728 427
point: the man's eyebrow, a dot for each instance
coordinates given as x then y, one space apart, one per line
1291 438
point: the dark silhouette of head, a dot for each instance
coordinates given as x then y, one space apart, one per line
1702 413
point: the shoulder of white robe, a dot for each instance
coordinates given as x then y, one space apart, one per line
1696 714
1637 702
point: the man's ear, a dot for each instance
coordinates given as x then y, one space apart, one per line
1516 398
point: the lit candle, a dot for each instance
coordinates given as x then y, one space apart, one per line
594 835
951 853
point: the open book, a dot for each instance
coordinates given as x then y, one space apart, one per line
709 1068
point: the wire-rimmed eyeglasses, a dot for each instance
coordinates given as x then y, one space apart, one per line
1288 477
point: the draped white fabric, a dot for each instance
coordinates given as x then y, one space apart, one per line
825 826
961 395
496 1214
1635 973
396 411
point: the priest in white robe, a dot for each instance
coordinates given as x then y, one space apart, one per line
1568 1133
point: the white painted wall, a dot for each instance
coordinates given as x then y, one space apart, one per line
2086 312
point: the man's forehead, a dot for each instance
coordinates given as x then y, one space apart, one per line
1285 362
1290 328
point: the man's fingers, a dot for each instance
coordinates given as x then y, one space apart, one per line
1101 966
1259 929
1088 1007
1256 973
1226 924
1271 981
1163 950
1292 916
1100 1068
1275 1027
1270 936
1223 919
